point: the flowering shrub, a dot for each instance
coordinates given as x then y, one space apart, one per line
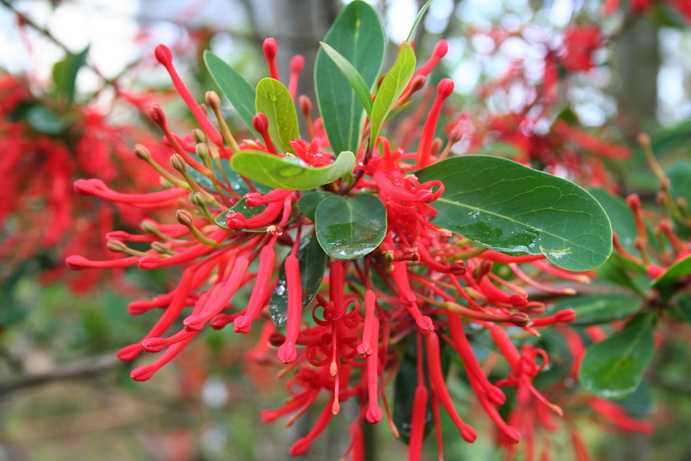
363 263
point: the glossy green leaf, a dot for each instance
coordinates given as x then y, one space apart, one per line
45 120
680 180
516 210
665 284
391 88
274 101
417 20
245 210
641 403
613 368
65 74
309 202
312 267
620 215
596 309
625 273
358 35
290 172
234 86
352 76
350 228
682 309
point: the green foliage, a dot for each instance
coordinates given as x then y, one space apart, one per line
358 36
516 210
274 101
309 202
65 74
234 86
312 267
350 228
245 210
290 172
665 284
614 368
598 309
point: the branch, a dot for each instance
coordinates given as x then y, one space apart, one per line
87 368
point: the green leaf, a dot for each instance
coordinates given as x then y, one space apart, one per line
65 74
391 88
641 403
290 172
45 120
234 86
665 284
620 215
680 180
682 310
417 20
358 35
516 210
274 101
312 267
625 273
613 368
352 76
350 228
309 202
596 309
245 210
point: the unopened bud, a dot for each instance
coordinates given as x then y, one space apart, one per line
520 319
270 48
178 163
157 115
305 104
198 136
201 150
198 200
142 152
184 217
297 63
212 100
417 83
163 54
260 123
116 246
445 88
440 49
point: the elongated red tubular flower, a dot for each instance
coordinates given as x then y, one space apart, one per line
270 48
243 323
374 412
437 379
303 444
444 90
365 348
287 352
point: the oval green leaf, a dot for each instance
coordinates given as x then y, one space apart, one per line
516 210
620 215
614 368
358 35
597 309
312 261
290 172
234 86
274 101
309 202
350 228
391 88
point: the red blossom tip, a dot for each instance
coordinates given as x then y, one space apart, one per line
440 49
194 323
260 123
519 319
287 353
149 262
76 262
297 63
365 349
154 344
138 307
129 352
374 414
157 115
163 54
270 48
566 316
417 83
633 201
654 271
511 434
143 373
305 104
445 88
456 134
425 324
468 434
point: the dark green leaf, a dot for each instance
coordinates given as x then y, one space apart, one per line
245 210
290 172
274 101
391 88
613 368
352 76
350 228
680 180
516 210
65 74
620 215
596 309
417 20
45 120
641 403
398 110
234 86
309 202
665 284
682 310
358 35
624 273
312 266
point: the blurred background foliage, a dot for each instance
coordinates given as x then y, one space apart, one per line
64 395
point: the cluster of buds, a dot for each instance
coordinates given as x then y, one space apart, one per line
335 324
